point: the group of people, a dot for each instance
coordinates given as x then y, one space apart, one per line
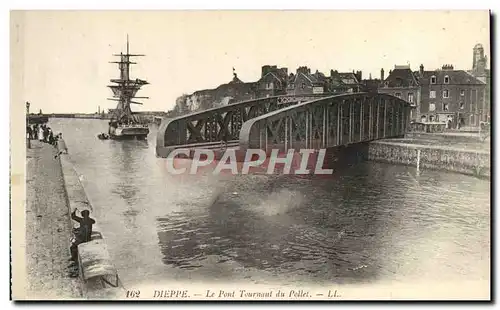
42 133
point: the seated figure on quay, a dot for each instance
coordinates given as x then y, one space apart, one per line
83 233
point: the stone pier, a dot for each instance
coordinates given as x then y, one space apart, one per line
48 230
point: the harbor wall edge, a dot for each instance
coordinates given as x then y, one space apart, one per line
468 162
76 197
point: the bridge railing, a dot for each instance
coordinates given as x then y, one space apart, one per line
327 122
209 127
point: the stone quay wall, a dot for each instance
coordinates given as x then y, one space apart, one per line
77 199
470 162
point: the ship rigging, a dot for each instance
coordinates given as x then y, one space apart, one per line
125 124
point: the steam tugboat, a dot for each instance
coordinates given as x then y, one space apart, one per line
125 124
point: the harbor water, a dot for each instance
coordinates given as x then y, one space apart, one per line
372 222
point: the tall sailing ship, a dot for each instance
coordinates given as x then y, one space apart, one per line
124 123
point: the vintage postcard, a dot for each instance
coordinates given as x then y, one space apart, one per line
250 155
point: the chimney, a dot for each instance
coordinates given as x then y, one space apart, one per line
331 72
359 75
382 76
421 69
265 70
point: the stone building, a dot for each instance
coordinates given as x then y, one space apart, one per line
305 83
402 83
449 94
273 81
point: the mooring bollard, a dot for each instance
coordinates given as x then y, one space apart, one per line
418 161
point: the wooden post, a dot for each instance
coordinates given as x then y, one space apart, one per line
378 118
385 116
323 138
286 133
28 139
370 121
307 128
362 121
339 123
418 161
350 121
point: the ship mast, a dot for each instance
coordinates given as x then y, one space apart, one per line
125 89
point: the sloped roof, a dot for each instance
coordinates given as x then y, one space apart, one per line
457 77
278 75
401 77
315 78
345 76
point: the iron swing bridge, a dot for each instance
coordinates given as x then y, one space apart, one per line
288 122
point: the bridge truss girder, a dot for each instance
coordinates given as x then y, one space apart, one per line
328 122
210 127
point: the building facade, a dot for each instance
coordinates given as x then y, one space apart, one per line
273 81
451 95
305 83
402 83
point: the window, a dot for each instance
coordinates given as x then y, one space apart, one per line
432 94
386 84
446 94
462 92
303 85
445 107
410 97
432 107
269 85
292 86
447 79
433 79
397 95
461 105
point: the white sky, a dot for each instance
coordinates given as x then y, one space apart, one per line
66 54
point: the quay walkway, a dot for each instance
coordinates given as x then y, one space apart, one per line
47 228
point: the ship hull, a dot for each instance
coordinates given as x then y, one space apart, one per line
129 133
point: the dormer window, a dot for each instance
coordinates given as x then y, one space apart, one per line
386 84
433 79
447 79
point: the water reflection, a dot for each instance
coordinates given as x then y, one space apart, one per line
327 230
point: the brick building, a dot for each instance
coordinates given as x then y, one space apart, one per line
449 94
402 83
